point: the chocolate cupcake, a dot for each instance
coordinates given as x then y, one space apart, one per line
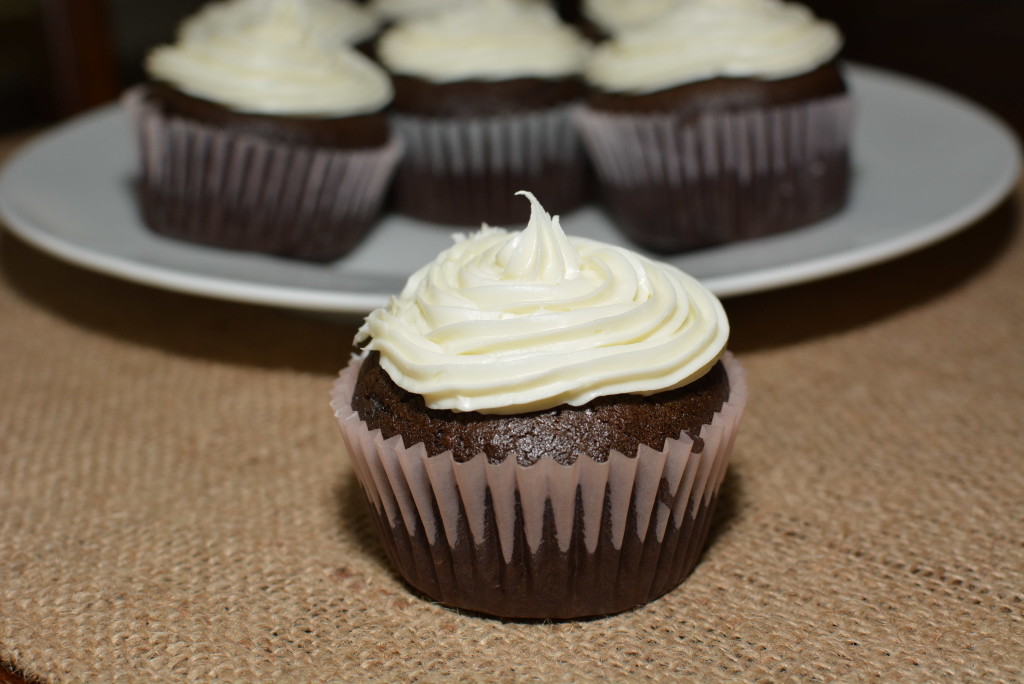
257 133
724 120
533 415
484 96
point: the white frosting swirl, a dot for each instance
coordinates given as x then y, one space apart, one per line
271 57
514 322
613 16
487 40
702 39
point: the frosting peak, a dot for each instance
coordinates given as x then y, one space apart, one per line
541 252
507 322
270 57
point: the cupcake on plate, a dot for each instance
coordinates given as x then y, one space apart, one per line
483 100
533 414
724 120
257 133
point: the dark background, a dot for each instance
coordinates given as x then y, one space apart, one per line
970 46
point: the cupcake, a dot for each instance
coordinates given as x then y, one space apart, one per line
484 96
724 120
535 413
258 133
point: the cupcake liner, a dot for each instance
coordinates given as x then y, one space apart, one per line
674 184
544 540
466 169
209 185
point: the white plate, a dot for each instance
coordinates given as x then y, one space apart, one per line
926 164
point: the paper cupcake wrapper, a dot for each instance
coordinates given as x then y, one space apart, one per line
544 540
675 183
467 169
210 185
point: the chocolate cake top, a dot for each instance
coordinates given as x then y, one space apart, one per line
563 433
349 132
719 95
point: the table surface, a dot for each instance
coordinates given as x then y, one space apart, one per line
175 503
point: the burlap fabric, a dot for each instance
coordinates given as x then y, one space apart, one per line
175 503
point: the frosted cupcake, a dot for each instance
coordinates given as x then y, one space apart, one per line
483 102
257 133
724 120
534 413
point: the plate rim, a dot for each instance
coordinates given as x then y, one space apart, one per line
346 301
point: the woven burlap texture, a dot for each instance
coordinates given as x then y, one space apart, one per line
175 503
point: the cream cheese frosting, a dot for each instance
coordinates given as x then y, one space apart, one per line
511 322
703 39
271 57
487 40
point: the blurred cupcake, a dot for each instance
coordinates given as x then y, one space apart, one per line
258 133
724 120
535 413
484 96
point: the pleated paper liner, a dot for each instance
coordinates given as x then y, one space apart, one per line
674 184
544 540
466 170
209 185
